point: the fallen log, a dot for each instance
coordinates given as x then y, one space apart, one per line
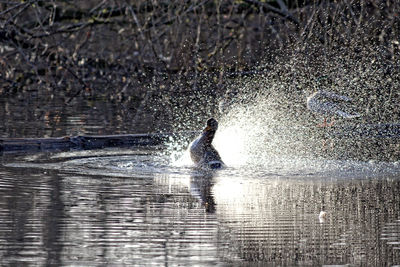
86 142
357 141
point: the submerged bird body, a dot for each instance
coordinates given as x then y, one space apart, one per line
202 152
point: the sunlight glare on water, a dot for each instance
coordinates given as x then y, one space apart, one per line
257 139
181 159
254 143
252 133
138 207
230 141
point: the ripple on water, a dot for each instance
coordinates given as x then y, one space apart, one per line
92 220
116 162
391 234
135 207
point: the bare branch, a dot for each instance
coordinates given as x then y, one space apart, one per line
282 12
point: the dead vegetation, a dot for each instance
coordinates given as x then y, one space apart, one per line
157 60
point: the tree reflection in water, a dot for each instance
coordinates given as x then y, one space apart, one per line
100 209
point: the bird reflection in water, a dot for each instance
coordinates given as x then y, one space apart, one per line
201 187
206 159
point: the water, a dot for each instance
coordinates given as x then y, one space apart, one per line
151 207
140 208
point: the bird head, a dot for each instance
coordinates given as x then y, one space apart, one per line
212 125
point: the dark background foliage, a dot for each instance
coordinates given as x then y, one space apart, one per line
166 65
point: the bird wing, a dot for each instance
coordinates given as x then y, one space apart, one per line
333 96
329 103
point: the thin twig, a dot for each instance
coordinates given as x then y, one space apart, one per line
282 12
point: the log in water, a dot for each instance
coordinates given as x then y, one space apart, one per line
86 142
362 142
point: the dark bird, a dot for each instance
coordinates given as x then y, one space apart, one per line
202 152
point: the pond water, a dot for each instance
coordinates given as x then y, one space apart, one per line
151 207
140 207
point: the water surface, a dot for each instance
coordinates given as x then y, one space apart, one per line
137 207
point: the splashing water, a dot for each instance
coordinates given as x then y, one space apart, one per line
260 138
257 133
266 125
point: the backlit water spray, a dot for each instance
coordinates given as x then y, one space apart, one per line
258 139
260 136
264 123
